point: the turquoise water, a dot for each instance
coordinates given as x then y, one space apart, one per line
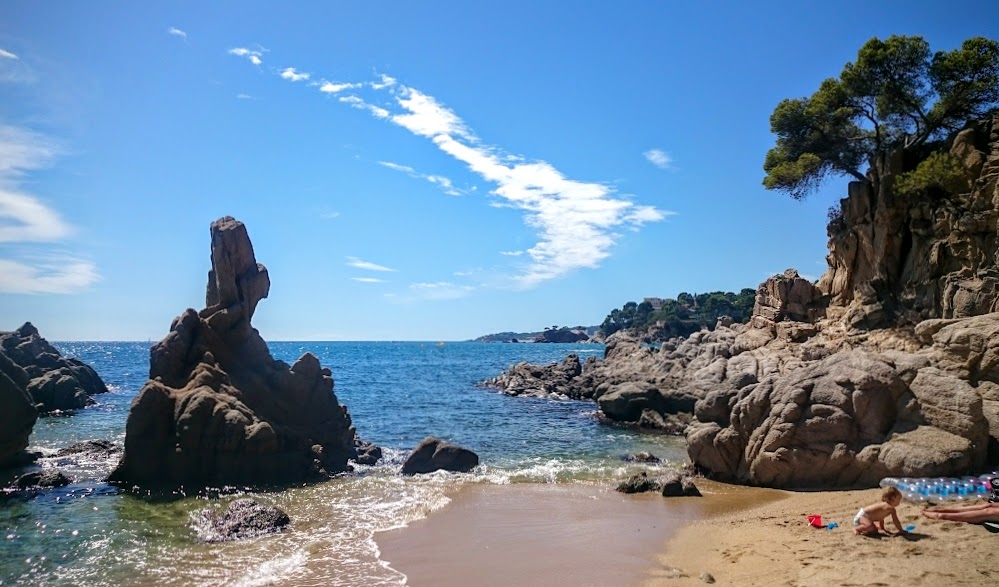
398 393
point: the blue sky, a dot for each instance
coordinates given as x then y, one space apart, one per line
410 171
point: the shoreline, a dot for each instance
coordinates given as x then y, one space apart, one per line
579 534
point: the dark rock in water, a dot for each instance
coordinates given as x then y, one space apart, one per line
55 382
96 449
218 409
679 486
17 413
640 483
367 453
563 379
641 457
244 518
46 478
433 454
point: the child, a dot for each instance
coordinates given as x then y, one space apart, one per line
869 520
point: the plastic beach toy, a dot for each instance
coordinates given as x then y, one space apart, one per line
910 528
832 525
815 521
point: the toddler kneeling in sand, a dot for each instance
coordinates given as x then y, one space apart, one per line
870 519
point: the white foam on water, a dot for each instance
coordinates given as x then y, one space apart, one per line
272 572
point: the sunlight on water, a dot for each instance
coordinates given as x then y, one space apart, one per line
90 534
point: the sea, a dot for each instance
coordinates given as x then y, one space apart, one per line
90 533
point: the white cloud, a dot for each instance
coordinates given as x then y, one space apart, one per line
332 88
512 253
659 158
425 117
252 55
8 55
54 275
446 185
329 215
244 97
577 222
359 264
177 32
24 218
368 279
290 74
360 104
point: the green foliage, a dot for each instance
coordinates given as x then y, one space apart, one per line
896 95
686 314
940 171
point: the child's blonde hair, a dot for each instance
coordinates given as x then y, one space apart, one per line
889 494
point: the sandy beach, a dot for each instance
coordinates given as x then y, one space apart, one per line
772 545
534 534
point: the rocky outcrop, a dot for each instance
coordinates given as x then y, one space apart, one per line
558 380
888 366
671 485
55 382
434 454
903 259
218 409
17 414
39 479
244 518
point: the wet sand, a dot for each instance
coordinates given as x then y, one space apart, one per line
533 534
773 546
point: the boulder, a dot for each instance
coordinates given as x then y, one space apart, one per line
218 409
434 454
92 449
44 478
640 483
676 485
244 518
55 383
17 413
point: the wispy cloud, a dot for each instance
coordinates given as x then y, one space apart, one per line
512 253
659 158
356 102
368 279
13 70
290 74
53 275
177 32
253 55
244 97
332 88
446 185
359 264
25 218
577 222
329 215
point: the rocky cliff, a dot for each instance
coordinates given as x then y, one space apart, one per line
217 408
888 366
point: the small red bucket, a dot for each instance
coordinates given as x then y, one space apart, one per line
815 520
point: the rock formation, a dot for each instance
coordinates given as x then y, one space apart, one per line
888 366
55 382
17 414
433 454
244 518
218 409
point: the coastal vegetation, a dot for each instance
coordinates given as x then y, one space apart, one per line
682 316
896 97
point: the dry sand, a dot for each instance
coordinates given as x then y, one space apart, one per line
772 545
590 535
